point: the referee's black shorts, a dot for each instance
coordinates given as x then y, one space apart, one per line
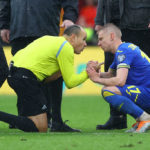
29 91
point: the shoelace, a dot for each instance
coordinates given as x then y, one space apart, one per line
65 121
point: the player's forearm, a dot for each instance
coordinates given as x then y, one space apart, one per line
114 81
106 75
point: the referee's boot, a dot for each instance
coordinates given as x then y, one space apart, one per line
62 127
12 127
117 120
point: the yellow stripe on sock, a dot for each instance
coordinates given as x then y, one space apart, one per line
120 106
107 93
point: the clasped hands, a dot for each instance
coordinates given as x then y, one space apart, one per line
94 70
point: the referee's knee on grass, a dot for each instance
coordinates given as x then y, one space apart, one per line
40 127
40 122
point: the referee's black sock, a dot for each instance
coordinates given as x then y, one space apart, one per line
20 122
56 100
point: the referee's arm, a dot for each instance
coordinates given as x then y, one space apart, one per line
66 64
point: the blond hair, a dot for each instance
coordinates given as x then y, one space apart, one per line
110 27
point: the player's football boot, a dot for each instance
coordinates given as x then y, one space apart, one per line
134 127
143 126
62 127
114 122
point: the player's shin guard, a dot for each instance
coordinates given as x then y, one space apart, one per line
122 103
20 122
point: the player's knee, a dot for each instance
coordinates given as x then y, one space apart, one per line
112 89
104 89
106 92
103 92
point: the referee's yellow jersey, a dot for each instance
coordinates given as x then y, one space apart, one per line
46 56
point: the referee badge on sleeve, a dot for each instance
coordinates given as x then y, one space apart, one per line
121 57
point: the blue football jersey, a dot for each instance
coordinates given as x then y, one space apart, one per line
130 56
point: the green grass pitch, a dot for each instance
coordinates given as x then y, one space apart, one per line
83 112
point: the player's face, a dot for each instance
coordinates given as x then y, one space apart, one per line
104 41
80 42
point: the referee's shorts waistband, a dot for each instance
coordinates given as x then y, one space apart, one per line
22 71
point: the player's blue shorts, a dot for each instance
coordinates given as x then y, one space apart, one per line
138 94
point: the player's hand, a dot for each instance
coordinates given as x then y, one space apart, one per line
92 64
95 65
5 35
93 75
97 28
98 67
66 24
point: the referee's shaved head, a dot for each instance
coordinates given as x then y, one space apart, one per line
73 29
109 27
76 36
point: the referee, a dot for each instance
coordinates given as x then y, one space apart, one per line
44 60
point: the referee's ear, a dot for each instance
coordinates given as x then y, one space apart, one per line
73 38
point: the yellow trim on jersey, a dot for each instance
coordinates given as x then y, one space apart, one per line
119 51
123 65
